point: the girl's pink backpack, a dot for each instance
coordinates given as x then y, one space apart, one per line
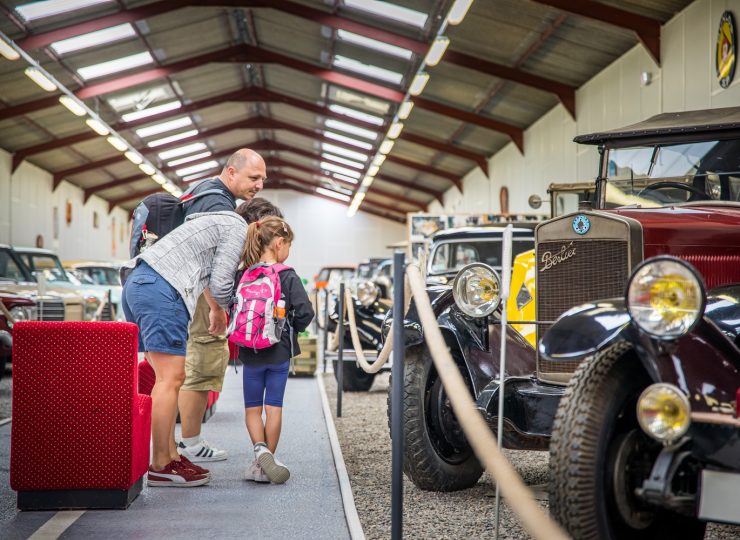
255 321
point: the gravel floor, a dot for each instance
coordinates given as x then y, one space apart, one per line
363 435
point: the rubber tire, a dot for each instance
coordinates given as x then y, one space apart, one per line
354 378
582 430
3 365
421 462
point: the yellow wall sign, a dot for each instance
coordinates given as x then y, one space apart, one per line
725 58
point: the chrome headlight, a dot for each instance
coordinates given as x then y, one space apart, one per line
665 297
367 293
23 313
91 304
477 290
664 412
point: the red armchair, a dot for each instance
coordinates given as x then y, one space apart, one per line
80 431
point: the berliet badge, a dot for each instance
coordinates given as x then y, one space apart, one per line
581 224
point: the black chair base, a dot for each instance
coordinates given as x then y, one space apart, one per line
80 499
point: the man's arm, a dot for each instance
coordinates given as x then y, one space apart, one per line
217 316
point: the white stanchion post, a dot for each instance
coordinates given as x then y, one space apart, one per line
505 285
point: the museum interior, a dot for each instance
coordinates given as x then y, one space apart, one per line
370 269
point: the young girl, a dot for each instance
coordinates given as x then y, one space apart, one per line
266 370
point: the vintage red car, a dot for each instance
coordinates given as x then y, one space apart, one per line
14 308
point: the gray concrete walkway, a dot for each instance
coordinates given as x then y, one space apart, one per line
309 505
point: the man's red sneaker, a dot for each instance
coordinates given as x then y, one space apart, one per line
197 468
175 474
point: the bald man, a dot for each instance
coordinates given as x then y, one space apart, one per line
207 357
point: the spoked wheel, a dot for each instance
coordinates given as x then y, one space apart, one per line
437 456
599 456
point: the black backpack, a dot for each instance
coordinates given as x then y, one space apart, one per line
158 214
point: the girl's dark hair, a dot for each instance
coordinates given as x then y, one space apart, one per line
260 234
256 209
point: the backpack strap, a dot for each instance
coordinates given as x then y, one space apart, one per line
278 267
189 197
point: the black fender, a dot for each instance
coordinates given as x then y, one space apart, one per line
586 329
6 343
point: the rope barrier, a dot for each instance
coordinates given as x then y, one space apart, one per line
538 523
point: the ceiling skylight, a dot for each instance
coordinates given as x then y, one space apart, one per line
338 159
389 11
349 128
114 66
172 138
187 159
342 62
94 39
187 149
343 152
333 194
164 126
341 170
140 99
48 8
358 100
357 39
197 168
151 111
354 113
348 140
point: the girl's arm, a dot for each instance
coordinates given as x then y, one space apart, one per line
298 303
226 261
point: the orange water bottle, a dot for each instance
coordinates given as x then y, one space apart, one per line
280 309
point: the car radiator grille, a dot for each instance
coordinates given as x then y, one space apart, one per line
598 269
51 310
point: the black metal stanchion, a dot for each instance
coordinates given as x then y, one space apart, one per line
326 327
340 352
396 402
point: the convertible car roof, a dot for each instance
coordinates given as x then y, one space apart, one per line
681 126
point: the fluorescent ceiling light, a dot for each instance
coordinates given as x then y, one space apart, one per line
438 48
197 168
141 99
418 84
39 78
344 178
8 51
367 181
362 41
372 171
385 147
133 157
343 151
389 11
181 151
405 109
172 138
342 62
379 159
338 159
458 11
341 170
159 179
395 129
333 194
117 143
186 159
136 115
358 100
47 8
114 66
94 39
169 187
349 128
97 126
354 113
348 140
147 169
164 126
73 105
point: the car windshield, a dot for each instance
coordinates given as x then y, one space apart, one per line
48 264
10 269
449 257
100 275
365 270
663 175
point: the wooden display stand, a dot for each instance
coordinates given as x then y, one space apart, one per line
305 363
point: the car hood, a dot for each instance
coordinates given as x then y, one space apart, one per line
30 290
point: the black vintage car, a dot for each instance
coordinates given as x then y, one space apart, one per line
646 441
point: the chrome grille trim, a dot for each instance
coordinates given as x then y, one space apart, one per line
51 310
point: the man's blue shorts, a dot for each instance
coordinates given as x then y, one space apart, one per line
158 309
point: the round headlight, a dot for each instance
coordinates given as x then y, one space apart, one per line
665 297
477 290
664 412
367 293
19 313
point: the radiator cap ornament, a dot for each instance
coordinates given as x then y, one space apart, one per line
581 224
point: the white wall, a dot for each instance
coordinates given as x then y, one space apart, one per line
27 209
325 235
613 98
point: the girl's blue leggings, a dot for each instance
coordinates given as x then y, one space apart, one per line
265 384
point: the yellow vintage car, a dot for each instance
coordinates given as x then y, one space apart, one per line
520 306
